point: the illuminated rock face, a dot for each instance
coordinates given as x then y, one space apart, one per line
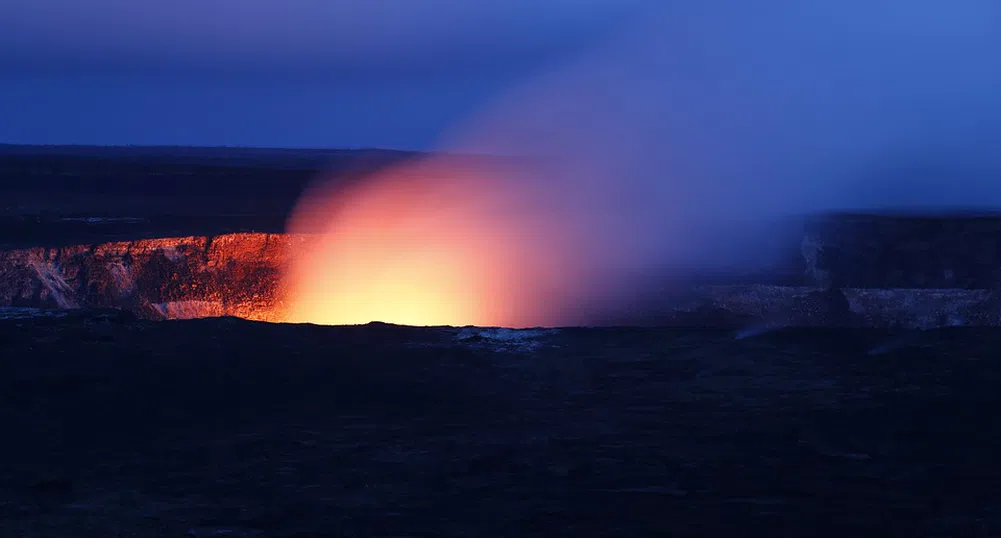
951 279
236 275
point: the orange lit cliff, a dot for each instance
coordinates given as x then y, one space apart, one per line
235 275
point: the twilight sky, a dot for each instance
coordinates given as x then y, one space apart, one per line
388 73
404 73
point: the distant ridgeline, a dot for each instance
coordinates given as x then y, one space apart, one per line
75 180
269 176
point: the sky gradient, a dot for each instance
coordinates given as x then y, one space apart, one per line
345 73
404 73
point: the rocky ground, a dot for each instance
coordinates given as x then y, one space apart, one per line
224 427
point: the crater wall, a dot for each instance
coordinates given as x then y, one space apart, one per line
845 270
183 277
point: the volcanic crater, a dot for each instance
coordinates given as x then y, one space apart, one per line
205 237
843 271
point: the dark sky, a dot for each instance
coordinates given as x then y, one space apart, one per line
289 73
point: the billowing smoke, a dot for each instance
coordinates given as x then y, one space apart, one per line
675 150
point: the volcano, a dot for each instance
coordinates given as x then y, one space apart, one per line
207 255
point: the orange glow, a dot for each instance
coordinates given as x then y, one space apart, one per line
428 244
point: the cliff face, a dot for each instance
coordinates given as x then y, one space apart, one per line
888 273
236 274
926 252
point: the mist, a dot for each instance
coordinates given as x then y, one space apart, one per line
685 144
688 139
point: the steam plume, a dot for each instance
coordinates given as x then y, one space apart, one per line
677 147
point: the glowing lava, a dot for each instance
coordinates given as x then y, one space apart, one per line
433 243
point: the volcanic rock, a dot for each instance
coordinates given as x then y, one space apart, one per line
848 271
119 427
903 251
235 274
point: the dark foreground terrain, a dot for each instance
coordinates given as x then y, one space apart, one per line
223 427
